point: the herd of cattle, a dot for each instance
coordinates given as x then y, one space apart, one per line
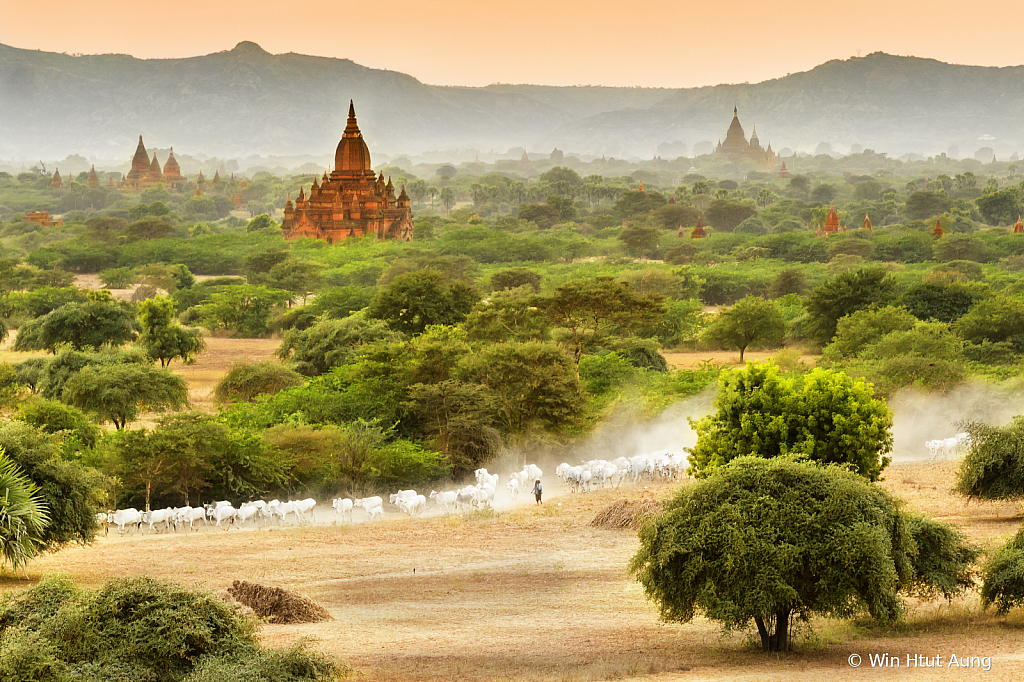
947 447
582 477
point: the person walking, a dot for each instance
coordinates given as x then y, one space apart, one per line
538 489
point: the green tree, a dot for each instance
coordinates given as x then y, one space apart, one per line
1003 585
447 199
72 492
512 278
924 205
774 541
590 309
726 214
942 301
844 294
751 320
244 310
825 416
458 416
640 238
332 343
993 468
259 222
51 416
118 393
247 380
507 315
299 277
788 281
80 325
422 298
824 194
860 329
994 319
162 337
23 515
960 247
1001 207
532 385
118 278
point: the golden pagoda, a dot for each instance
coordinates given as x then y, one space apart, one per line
352 201
783 172
737 148
216 179
92 180
937 231
867 224
155 175
137 176
1019 227
55 183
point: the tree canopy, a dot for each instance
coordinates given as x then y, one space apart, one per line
753 320
118 393
81 325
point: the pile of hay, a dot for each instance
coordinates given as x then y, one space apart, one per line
276 605
623 514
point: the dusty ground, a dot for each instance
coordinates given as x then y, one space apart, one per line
212 363
730 358
536 594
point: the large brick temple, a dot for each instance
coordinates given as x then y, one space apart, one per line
736 147
352 201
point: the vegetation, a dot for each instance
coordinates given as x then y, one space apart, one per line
994 466
847 548
23 515
139 629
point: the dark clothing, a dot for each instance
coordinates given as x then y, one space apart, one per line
538 489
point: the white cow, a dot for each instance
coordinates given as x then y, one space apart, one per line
160 516
413 506
190 515
306 506
247 511
370 505
219 514
444 499
513 487
343 507
125 517
397 498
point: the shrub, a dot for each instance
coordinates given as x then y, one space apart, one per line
1003 585
139 629
994 466
52 416
245 381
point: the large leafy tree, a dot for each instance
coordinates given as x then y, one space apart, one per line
825 416
80 325
23 515
244 310
771 541
859 330
72 492
162 337
753 320
422 298
118 393
843 294
1003 585
942 301
532 385
994 319
331 343
589 309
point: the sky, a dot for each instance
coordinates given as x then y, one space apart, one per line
656 43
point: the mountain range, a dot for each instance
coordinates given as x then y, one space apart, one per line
246 101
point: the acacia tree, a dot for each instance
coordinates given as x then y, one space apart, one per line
590 308
118 393
827 417
843 294
422 298
771 541
81 325
162 337
751 320
993 468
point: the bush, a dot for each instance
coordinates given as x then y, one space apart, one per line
1003 584
994 466
245 381
52 416
139 629
118 278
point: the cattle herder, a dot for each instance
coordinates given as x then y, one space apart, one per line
538 489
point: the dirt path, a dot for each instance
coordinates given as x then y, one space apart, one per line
536 594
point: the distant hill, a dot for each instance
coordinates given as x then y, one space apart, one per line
246 101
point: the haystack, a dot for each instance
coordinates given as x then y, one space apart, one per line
277 605
627 514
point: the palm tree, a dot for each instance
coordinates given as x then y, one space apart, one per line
23 516
432 191
448 199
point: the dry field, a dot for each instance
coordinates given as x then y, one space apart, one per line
536 594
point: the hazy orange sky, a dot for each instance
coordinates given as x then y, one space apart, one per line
664 43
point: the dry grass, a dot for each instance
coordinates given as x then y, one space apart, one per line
276 605
728 358
626 514
538 594
213 363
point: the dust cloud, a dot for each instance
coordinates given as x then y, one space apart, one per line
919 416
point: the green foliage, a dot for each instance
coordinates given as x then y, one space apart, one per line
753 320
1003 585
513 278
244 310
245 380
862 328
79 325
52 416
634 203
847 293
1001 207
788 281
23 517
769 541
331 343
533 385
333 302
924 205
139 629
945 302
943 562
415 301
726 214
961 247
260 222
995 319
118 393
507 315
71 492
824 416
993 468
162 337
459 419
118 278
52 375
